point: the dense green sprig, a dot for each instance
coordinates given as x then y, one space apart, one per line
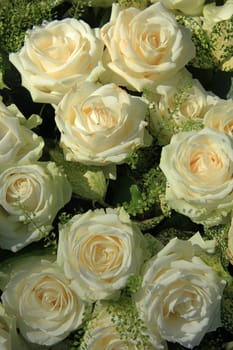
140 4
76 8
221 43
125 318
219 233
203 57
146 201
142 159
227 308
17 16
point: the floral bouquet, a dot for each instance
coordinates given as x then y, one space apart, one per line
116 175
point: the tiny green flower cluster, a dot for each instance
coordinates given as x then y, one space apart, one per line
203 58
140 4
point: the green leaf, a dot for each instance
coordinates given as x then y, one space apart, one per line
88 182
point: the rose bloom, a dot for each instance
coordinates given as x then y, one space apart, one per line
198 167
17 142
145 48
180 295
99 250
9 338
103 334
46 308
100 125
30 197
187 7
55 56
177 104
220 117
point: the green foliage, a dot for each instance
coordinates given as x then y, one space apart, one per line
87 182
45 232
17 16
214 49
125 317
227 308
146 196
77 8
133 284
214 261
203 57
140 4
219 233
142 159
146 185
221 43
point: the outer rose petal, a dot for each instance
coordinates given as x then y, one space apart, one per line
180 295
198 167
101 125
146 47
46 307
30 197
57 55
99 251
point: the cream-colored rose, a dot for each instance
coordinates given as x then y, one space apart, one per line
187 7
100 125
47 310
198 167
180 295
220 117
213 14
57 55
9 338
30 197
99 250
17 142
103 334
178 104
147 47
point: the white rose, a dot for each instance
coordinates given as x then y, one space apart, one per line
187 7
30 197
46 308
180 295
220 117
99 251
17 142
103 334
9 338
146 47
213 14
198 167
178 104
57 55
100 125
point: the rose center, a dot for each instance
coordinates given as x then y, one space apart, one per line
99 117
204 162
18 189
51 294
102 254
